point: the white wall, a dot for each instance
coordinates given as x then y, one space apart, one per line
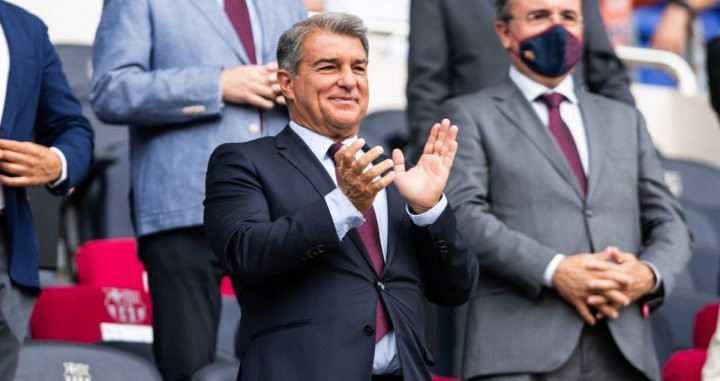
68 21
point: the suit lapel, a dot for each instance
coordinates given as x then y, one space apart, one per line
220 22
592 120
295 151
512 104
18 63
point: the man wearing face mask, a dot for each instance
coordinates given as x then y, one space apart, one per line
561 195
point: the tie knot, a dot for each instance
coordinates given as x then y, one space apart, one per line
552 100
333 150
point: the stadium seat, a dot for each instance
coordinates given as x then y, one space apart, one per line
88 314
110 262
685 365
52 360
217 371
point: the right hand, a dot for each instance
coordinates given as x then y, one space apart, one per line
358 184
574 279
251 84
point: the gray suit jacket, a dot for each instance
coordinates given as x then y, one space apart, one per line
157 68
519 204
454 50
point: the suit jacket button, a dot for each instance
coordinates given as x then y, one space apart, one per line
368 330
380 286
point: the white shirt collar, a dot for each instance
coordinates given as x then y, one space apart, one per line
531 89
319 144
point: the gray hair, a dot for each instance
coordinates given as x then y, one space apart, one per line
289 50
502 10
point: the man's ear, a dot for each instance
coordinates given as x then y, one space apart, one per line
285 80
503 31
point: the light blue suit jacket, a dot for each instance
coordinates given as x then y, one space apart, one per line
157 68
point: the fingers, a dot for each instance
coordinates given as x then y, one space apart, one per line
366 159
450 149
585 313
259 101
346 155
398 161
430 144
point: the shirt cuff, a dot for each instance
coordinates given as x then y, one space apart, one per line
550 269
63 172
344 214
429 217
658 279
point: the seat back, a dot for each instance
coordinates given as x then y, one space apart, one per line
52 361
87 314
110 262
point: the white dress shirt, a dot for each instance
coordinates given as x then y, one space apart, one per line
345 217
571 115
4 75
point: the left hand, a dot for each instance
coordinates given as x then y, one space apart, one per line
27 164
424 183
641 274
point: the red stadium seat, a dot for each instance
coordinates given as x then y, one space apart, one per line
110 262
705 324
88 314
685 365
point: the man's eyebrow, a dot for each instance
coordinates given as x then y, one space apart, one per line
337 60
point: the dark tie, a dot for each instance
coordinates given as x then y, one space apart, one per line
369 233
563 136
239 16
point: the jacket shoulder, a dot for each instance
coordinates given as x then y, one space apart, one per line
21 16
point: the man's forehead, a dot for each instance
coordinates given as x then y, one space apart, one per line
327 46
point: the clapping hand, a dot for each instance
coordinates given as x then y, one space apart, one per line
423 184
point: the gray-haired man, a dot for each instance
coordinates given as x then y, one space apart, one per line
334 260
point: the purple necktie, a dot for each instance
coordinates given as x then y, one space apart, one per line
239 16
563 136
369 233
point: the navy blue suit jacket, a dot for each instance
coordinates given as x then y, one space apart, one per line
40 107
309 300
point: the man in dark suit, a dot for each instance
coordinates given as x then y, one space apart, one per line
36 104
454 51
561 194
333 278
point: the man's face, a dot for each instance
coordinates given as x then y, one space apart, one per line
531 17
329 94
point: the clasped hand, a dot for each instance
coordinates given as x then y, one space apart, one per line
607 281
421 186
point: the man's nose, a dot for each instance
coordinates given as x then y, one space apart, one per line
347 78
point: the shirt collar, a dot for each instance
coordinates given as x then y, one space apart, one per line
319 144
531 89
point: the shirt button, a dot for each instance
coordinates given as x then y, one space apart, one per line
588 213
368 330
254 128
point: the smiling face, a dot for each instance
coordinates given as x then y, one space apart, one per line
329 93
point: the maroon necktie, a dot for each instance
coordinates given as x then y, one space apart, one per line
369 233
239 16
563 136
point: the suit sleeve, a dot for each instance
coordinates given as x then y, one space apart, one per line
126 89
506 253
605 73
238 224
450 269
59 121
428 67
666 240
